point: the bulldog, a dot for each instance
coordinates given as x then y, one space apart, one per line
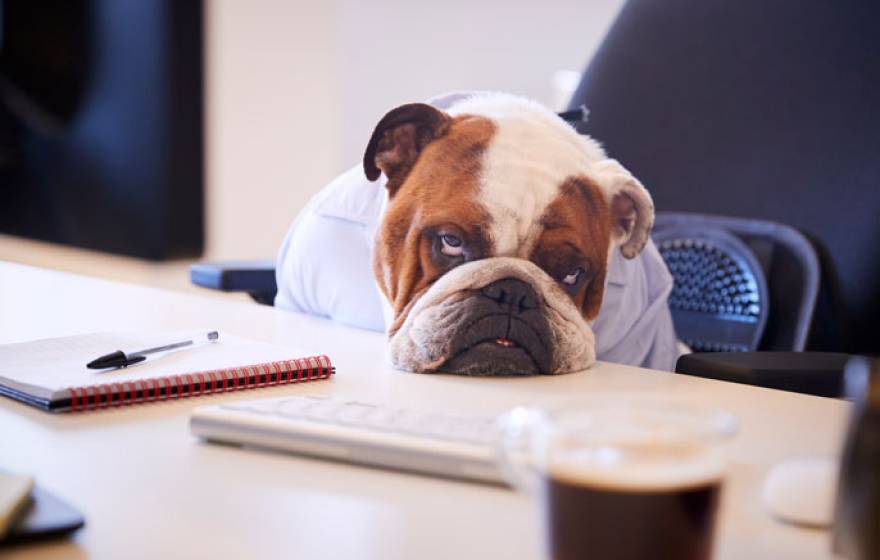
491 243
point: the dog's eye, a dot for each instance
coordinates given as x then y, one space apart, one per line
572 277
451 246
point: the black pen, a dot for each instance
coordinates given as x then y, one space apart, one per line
120 359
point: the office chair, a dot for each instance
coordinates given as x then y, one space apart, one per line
256 278
760 111
754 110
739 284
757 110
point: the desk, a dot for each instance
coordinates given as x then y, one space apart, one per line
149 489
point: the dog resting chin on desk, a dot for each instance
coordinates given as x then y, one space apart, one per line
492 243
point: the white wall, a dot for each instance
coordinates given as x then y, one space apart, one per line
271 89
295 87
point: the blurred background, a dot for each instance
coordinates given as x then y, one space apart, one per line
138 137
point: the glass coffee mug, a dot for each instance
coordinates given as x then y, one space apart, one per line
622 479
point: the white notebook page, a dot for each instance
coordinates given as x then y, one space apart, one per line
46 367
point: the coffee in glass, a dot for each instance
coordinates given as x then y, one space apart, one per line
619 481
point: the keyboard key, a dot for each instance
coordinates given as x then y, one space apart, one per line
322 411
381 419
354 413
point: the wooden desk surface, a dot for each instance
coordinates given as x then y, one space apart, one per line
149 489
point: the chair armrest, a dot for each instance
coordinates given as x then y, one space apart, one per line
257 278
814 373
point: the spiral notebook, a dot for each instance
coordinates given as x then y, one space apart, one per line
51 373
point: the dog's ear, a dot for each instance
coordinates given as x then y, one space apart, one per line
398 140
632 210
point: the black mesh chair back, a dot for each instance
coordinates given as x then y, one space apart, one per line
740 285
719 299
764 110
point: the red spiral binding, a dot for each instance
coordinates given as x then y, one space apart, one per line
107 395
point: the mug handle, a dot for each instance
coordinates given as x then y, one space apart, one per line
518 450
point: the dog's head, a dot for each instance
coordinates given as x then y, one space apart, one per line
500 223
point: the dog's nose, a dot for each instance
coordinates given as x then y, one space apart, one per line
512 295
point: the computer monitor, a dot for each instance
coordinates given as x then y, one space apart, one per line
101 140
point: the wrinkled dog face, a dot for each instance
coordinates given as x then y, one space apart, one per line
494 245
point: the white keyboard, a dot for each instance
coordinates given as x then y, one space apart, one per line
438 444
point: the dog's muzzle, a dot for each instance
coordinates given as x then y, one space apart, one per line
504 332
499 315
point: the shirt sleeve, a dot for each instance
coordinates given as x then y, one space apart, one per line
635 326
324 267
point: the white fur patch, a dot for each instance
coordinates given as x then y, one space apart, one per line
532 153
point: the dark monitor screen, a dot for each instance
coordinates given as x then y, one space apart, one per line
101 141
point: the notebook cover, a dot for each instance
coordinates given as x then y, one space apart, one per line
181 386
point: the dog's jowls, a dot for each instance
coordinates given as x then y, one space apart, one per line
457 324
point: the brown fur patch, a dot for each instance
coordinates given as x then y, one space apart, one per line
577 226
438 194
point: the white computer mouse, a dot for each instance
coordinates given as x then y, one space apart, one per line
802 490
